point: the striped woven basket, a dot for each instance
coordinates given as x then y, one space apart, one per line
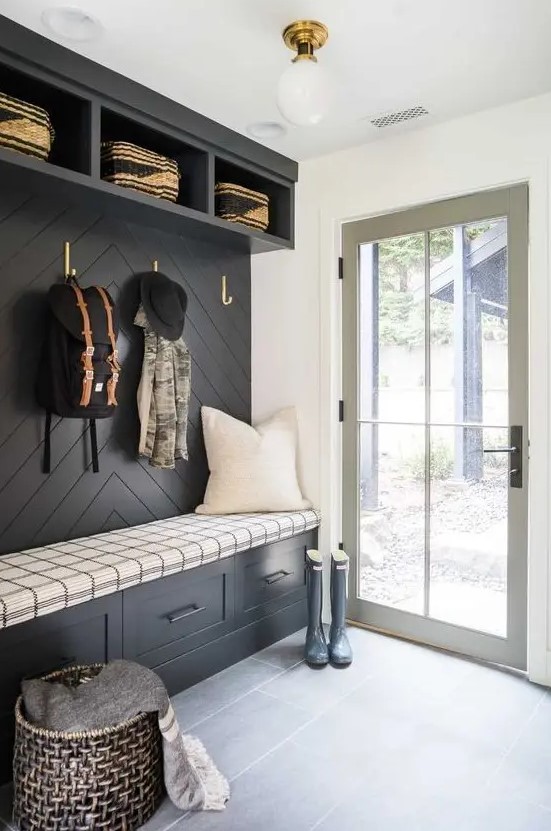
239 204
133 167
25 127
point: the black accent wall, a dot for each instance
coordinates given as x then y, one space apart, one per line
72 501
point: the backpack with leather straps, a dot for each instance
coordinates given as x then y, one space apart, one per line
79 369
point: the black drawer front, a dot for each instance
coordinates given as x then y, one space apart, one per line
45 653
272 576
185 670
75 636
170 611
86 634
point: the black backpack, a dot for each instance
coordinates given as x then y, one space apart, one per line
79 368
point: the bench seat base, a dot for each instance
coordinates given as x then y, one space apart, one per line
186 626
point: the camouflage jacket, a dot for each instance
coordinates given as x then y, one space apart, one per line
163 397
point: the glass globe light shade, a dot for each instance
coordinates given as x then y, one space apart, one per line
304 93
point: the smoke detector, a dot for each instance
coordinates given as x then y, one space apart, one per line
390 119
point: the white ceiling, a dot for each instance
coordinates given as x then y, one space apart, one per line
223 57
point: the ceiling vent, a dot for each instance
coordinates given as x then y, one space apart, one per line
389 119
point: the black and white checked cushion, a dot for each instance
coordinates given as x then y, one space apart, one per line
43 580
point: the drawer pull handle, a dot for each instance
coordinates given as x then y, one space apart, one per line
277 576
187 611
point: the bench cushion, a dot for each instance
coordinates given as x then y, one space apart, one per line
43 580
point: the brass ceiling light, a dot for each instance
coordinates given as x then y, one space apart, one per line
304 90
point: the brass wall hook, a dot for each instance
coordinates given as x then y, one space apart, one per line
155 265
67 270
225 299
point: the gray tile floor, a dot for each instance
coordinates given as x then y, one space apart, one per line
406 739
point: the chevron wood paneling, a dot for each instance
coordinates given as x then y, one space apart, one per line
73 501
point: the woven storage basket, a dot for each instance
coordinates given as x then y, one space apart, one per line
108 779
133 167
25 128
239 204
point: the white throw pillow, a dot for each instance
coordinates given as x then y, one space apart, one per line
252 469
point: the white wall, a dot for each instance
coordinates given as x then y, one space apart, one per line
296 300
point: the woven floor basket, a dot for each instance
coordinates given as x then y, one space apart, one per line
25 128
133 167
108 779
239 204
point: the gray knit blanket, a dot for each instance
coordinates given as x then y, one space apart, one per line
120 691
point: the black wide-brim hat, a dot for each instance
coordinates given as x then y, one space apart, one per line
164 303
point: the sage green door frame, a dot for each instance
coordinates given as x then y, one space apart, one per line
510 203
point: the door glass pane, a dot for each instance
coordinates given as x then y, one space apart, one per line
446 514
468 323
468 527
392 329
392 515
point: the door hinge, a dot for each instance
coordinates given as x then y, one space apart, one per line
341 410
341 268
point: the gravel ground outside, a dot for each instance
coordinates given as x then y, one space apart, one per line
399 528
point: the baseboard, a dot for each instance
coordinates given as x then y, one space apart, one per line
540 670
207 660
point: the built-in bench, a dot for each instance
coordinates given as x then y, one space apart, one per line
44 580
186 596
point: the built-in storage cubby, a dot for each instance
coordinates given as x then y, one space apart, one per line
280 195
69 114
192 162
88 105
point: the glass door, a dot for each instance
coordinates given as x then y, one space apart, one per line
435 402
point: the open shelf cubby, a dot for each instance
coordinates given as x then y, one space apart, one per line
280 195
69 114
88 104
192 162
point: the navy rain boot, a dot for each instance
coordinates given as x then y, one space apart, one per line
316 653
340 651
